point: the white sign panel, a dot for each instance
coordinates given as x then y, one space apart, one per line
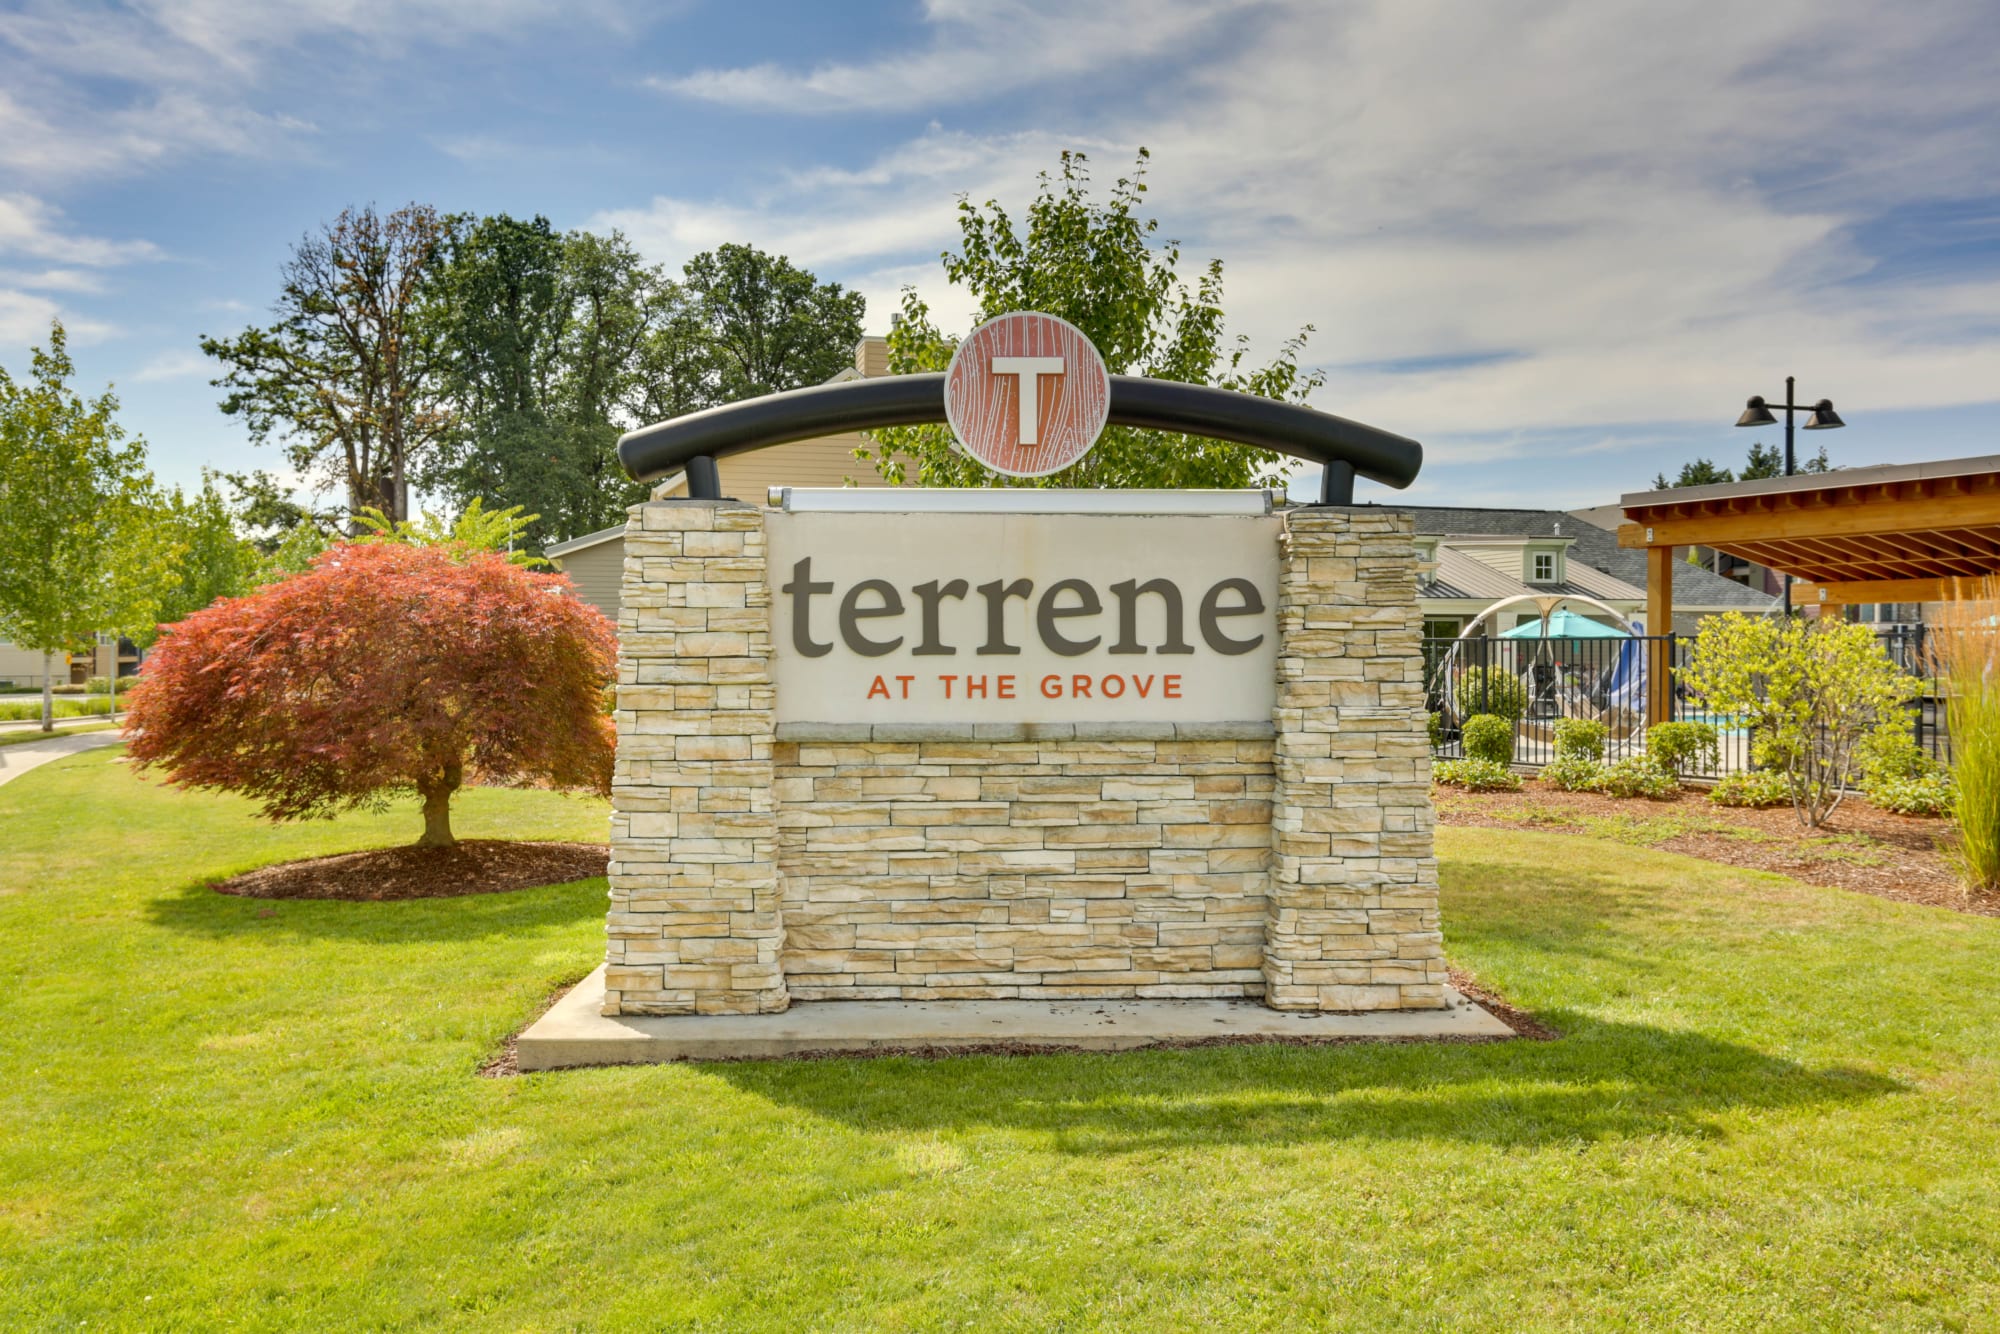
1021 618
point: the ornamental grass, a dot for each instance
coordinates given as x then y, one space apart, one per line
1965 646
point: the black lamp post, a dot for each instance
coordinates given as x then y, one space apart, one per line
1758 413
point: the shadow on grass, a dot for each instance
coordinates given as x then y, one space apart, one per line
195 909
1604 1081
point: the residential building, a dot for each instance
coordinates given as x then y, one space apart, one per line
1472 558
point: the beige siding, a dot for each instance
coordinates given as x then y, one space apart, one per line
749 476
827 462
23 667
597 572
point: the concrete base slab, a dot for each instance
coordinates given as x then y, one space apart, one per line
573 1033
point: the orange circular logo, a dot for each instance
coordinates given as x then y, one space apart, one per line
1026 394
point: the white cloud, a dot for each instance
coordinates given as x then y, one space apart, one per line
1644 220
32 228
88 91
981 49
178 365
25 319
53 280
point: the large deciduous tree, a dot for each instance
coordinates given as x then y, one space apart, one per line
386 669
558 342
768 325
80 552
350 379
546 334
1097 265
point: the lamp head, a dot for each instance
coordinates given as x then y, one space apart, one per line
1824 418
1755 413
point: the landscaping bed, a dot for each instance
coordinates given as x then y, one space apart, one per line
474 866
1860 848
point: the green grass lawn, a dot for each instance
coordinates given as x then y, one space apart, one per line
1774 1107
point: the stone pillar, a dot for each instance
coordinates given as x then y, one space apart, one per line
1352 921
695 924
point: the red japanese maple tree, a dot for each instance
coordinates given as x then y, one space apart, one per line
385 668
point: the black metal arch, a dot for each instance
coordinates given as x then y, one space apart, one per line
1341 447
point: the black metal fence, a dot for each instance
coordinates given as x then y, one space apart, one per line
1538 682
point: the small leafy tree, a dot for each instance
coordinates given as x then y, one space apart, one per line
1815 690
385 669
475 529
80 551
213 562
1096 265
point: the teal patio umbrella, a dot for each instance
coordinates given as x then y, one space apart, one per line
1566 624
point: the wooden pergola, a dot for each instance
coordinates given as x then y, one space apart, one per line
1905 532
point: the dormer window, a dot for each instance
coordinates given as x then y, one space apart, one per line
1541 567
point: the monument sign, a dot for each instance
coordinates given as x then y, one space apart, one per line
1020 743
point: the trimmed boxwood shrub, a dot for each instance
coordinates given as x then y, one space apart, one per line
1435 726
1580 737
1490 690
1677 747
1476 775
1488 737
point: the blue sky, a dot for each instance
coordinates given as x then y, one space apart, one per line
1559 243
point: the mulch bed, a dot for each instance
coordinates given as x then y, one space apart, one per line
1860 848
475 866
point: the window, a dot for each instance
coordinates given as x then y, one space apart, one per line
1542 567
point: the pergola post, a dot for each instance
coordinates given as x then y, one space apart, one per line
1659 630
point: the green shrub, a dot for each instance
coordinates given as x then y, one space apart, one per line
1677 747
1637 776
69 690
1751 787
1890 754
1488 737
1573 773
1476 775
1582 738
97 685
1490 690
1932 794
26 710
1435 727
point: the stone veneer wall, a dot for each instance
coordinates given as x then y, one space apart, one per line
753 865
975 869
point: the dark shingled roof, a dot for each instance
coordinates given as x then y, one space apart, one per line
1594 546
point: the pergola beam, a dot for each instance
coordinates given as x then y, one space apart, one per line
1849 592
1859 519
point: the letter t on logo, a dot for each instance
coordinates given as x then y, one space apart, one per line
1026 371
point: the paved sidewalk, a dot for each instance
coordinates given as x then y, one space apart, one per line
26 724
17 759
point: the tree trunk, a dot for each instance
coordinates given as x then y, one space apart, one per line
437 808
48 693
